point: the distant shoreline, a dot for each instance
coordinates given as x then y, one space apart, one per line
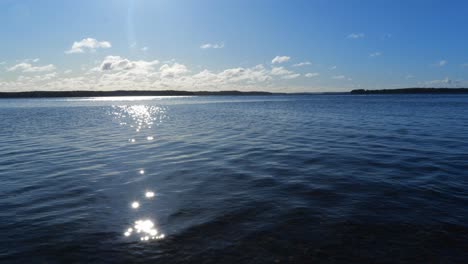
59 94
413 91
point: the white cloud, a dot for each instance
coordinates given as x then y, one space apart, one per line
27 67
375 54
332 68
283 73
446 83
280 71
338 77
409 76
88 44
120 73
280 59
290 76
441 63
311 74
173 71
117 63
300 64
212 46
356 35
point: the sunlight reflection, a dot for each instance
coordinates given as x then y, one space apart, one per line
150 138
142 172
144 228
142 116
149 194
135 205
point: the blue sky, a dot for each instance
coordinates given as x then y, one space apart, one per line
224 45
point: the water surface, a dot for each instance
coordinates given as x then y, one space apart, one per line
255 179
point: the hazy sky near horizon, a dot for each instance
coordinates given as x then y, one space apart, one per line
284 46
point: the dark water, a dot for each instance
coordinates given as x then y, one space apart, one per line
329 179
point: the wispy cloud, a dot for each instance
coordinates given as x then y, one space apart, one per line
304 63
445 83
375 54
283 73
441 63
280 59
88 44
144 49
212 46
332 68
338 77
311 74
465 65
409 76
27 67
387 36
356 35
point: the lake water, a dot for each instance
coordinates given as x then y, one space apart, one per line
288 179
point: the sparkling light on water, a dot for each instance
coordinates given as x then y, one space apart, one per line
149 194
135 205
145 229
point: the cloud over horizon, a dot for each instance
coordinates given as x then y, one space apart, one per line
27 67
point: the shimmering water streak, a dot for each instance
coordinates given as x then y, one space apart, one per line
141 117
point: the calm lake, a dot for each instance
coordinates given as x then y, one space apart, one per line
240 179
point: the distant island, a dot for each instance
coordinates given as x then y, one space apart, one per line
413 91
56 94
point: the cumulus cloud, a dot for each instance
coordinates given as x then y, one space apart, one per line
88 44
356 35
304 63
280 59
375 54
212 46
120 73
174 70
27 67
117 63
311 74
